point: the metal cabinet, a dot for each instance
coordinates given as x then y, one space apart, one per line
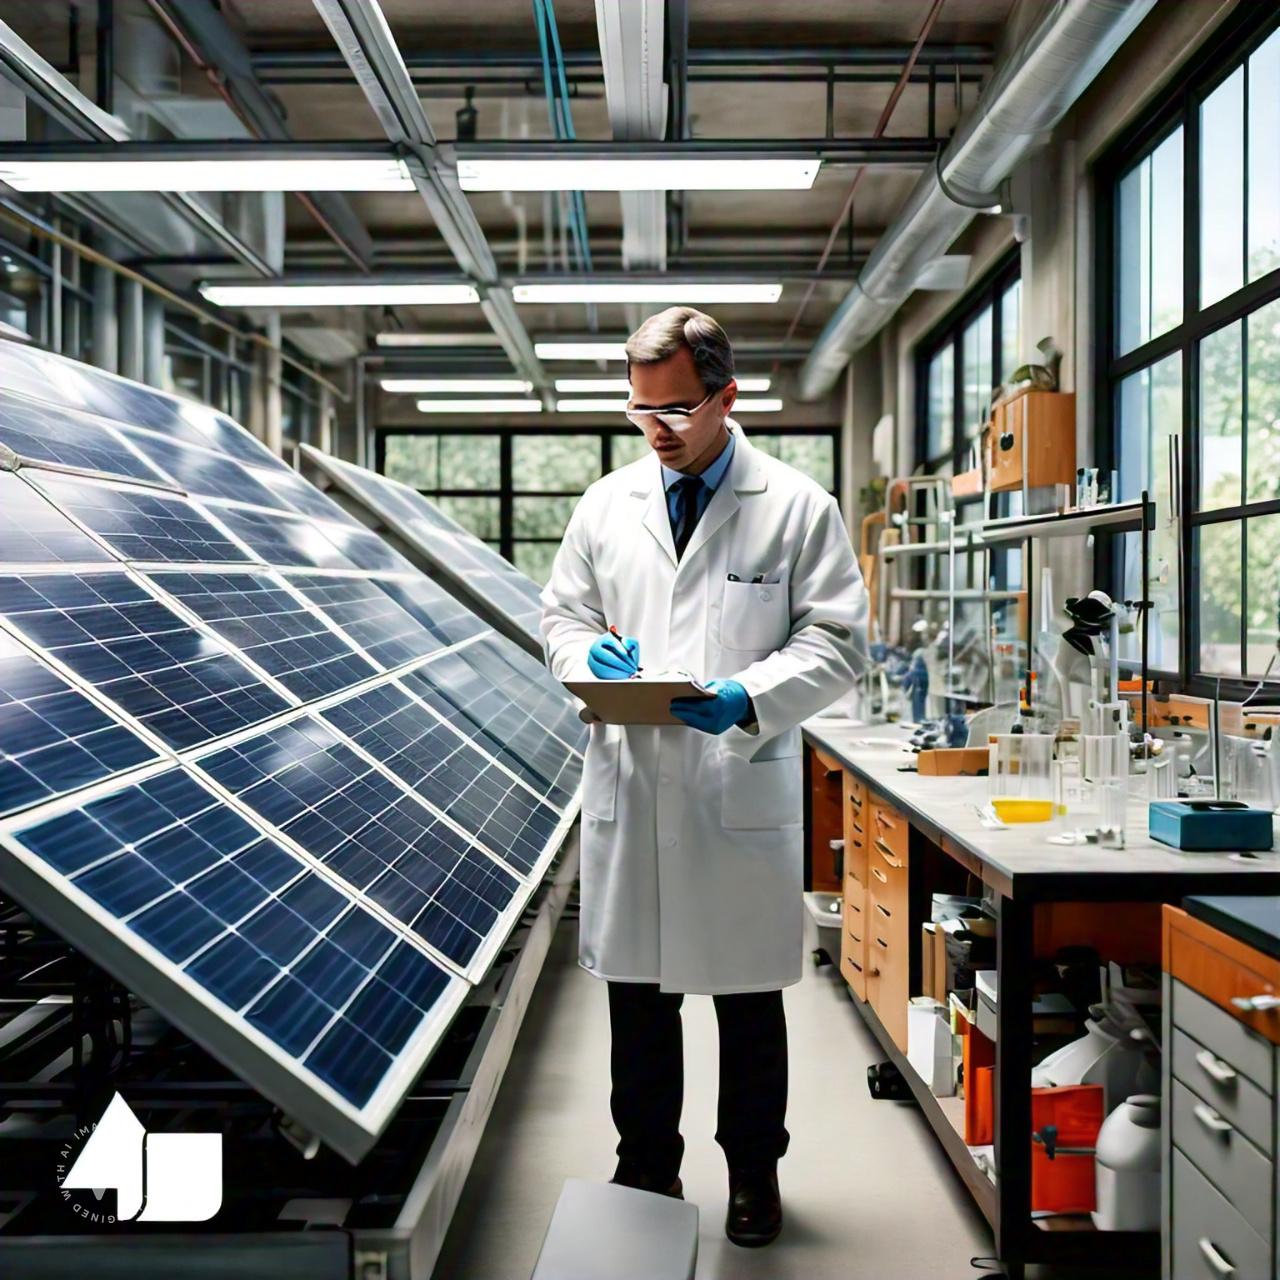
1220 1115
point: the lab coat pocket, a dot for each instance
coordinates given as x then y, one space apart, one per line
600 771
759 794
754 616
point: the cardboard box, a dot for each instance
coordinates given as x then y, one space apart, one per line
953 762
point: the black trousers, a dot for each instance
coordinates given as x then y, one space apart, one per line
647 1062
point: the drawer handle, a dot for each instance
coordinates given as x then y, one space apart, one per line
881 820
884 911
1211 1119
1215 1067
882 944
879 875
1256 1004
1214 1258
853 964
887 855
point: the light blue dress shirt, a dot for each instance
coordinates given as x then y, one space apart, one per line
710 478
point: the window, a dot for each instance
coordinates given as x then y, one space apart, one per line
957 366
517 487
1189 361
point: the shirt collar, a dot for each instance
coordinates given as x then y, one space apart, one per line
711 477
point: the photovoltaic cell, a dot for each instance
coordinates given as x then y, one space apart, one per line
292 493
308 783
276 945
41 432
142 524
105 627
445 769
377 625
283 539
443 615
453 689
256 614
201 472
33 531
365 549
52 738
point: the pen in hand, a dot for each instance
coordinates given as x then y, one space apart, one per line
617 635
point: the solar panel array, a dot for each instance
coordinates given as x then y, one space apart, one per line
455 555
277 781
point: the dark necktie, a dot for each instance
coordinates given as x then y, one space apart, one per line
687 490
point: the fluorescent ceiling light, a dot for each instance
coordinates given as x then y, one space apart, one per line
620 406
430 385
336 294
673 292
222 173
438 340
638 173
580 350
480 406
624 385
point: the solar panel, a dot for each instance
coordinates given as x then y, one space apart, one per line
483 577
375 623
366 550
34 532
202 472
258 615
368 831
449 772
142 524
182 685
453 686
38 432
283 539
442 614
262 954
52 738
291 492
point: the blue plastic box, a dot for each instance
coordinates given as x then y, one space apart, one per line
1209 825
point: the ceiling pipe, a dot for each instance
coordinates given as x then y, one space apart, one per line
1028 96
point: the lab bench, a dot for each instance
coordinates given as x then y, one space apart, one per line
907 837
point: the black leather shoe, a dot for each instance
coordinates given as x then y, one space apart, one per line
629 1174
755 1207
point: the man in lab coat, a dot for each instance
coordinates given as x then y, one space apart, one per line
711 557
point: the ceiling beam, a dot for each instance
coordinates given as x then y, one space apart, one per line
50 90
210 41
364 39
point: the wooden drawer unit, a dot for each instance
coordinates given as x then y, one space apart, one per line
890 827
888 965
1047 419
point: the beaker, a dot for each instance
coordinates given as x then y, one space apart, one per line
1105 758
1021 776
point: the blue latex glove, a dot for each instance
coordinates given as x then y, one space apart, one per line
612 659
714 715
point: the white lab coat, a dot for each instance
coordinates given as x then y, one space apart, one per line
692 860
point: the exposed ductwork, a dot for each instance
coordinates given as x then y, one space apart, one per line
631 39
1028 95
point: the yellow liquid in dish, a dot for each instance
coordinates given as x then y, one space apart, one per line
1014 810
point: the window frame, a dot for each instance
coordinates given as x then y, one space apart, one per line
506 493
949 332
1179 106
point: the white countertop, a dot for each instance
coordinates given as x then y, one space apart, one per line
1020 859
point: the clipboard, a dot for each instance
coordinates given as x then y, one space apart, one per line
636 701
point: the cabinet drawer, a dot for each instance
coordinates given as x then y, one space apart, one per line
1208 1234
1223 1035
890 827
1231 1093
1224 1155
888 963
890 899
854 912
853 972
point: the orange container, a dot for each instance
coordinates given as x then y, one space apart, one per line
1065 1184
978 1055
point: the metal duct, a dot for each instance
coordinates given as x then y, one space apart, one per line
631 37
1028 95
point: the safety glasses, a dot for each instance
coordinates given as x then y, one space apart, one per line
675 417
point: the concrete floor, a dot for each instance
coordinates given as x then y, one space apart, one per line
866 1189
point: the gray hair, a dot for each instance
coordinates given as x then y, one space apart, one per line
661 336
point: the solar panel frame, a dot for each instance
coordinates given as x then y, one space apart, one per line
493 587
143 968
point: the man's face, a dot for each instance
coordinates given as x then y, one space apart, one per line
674 384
